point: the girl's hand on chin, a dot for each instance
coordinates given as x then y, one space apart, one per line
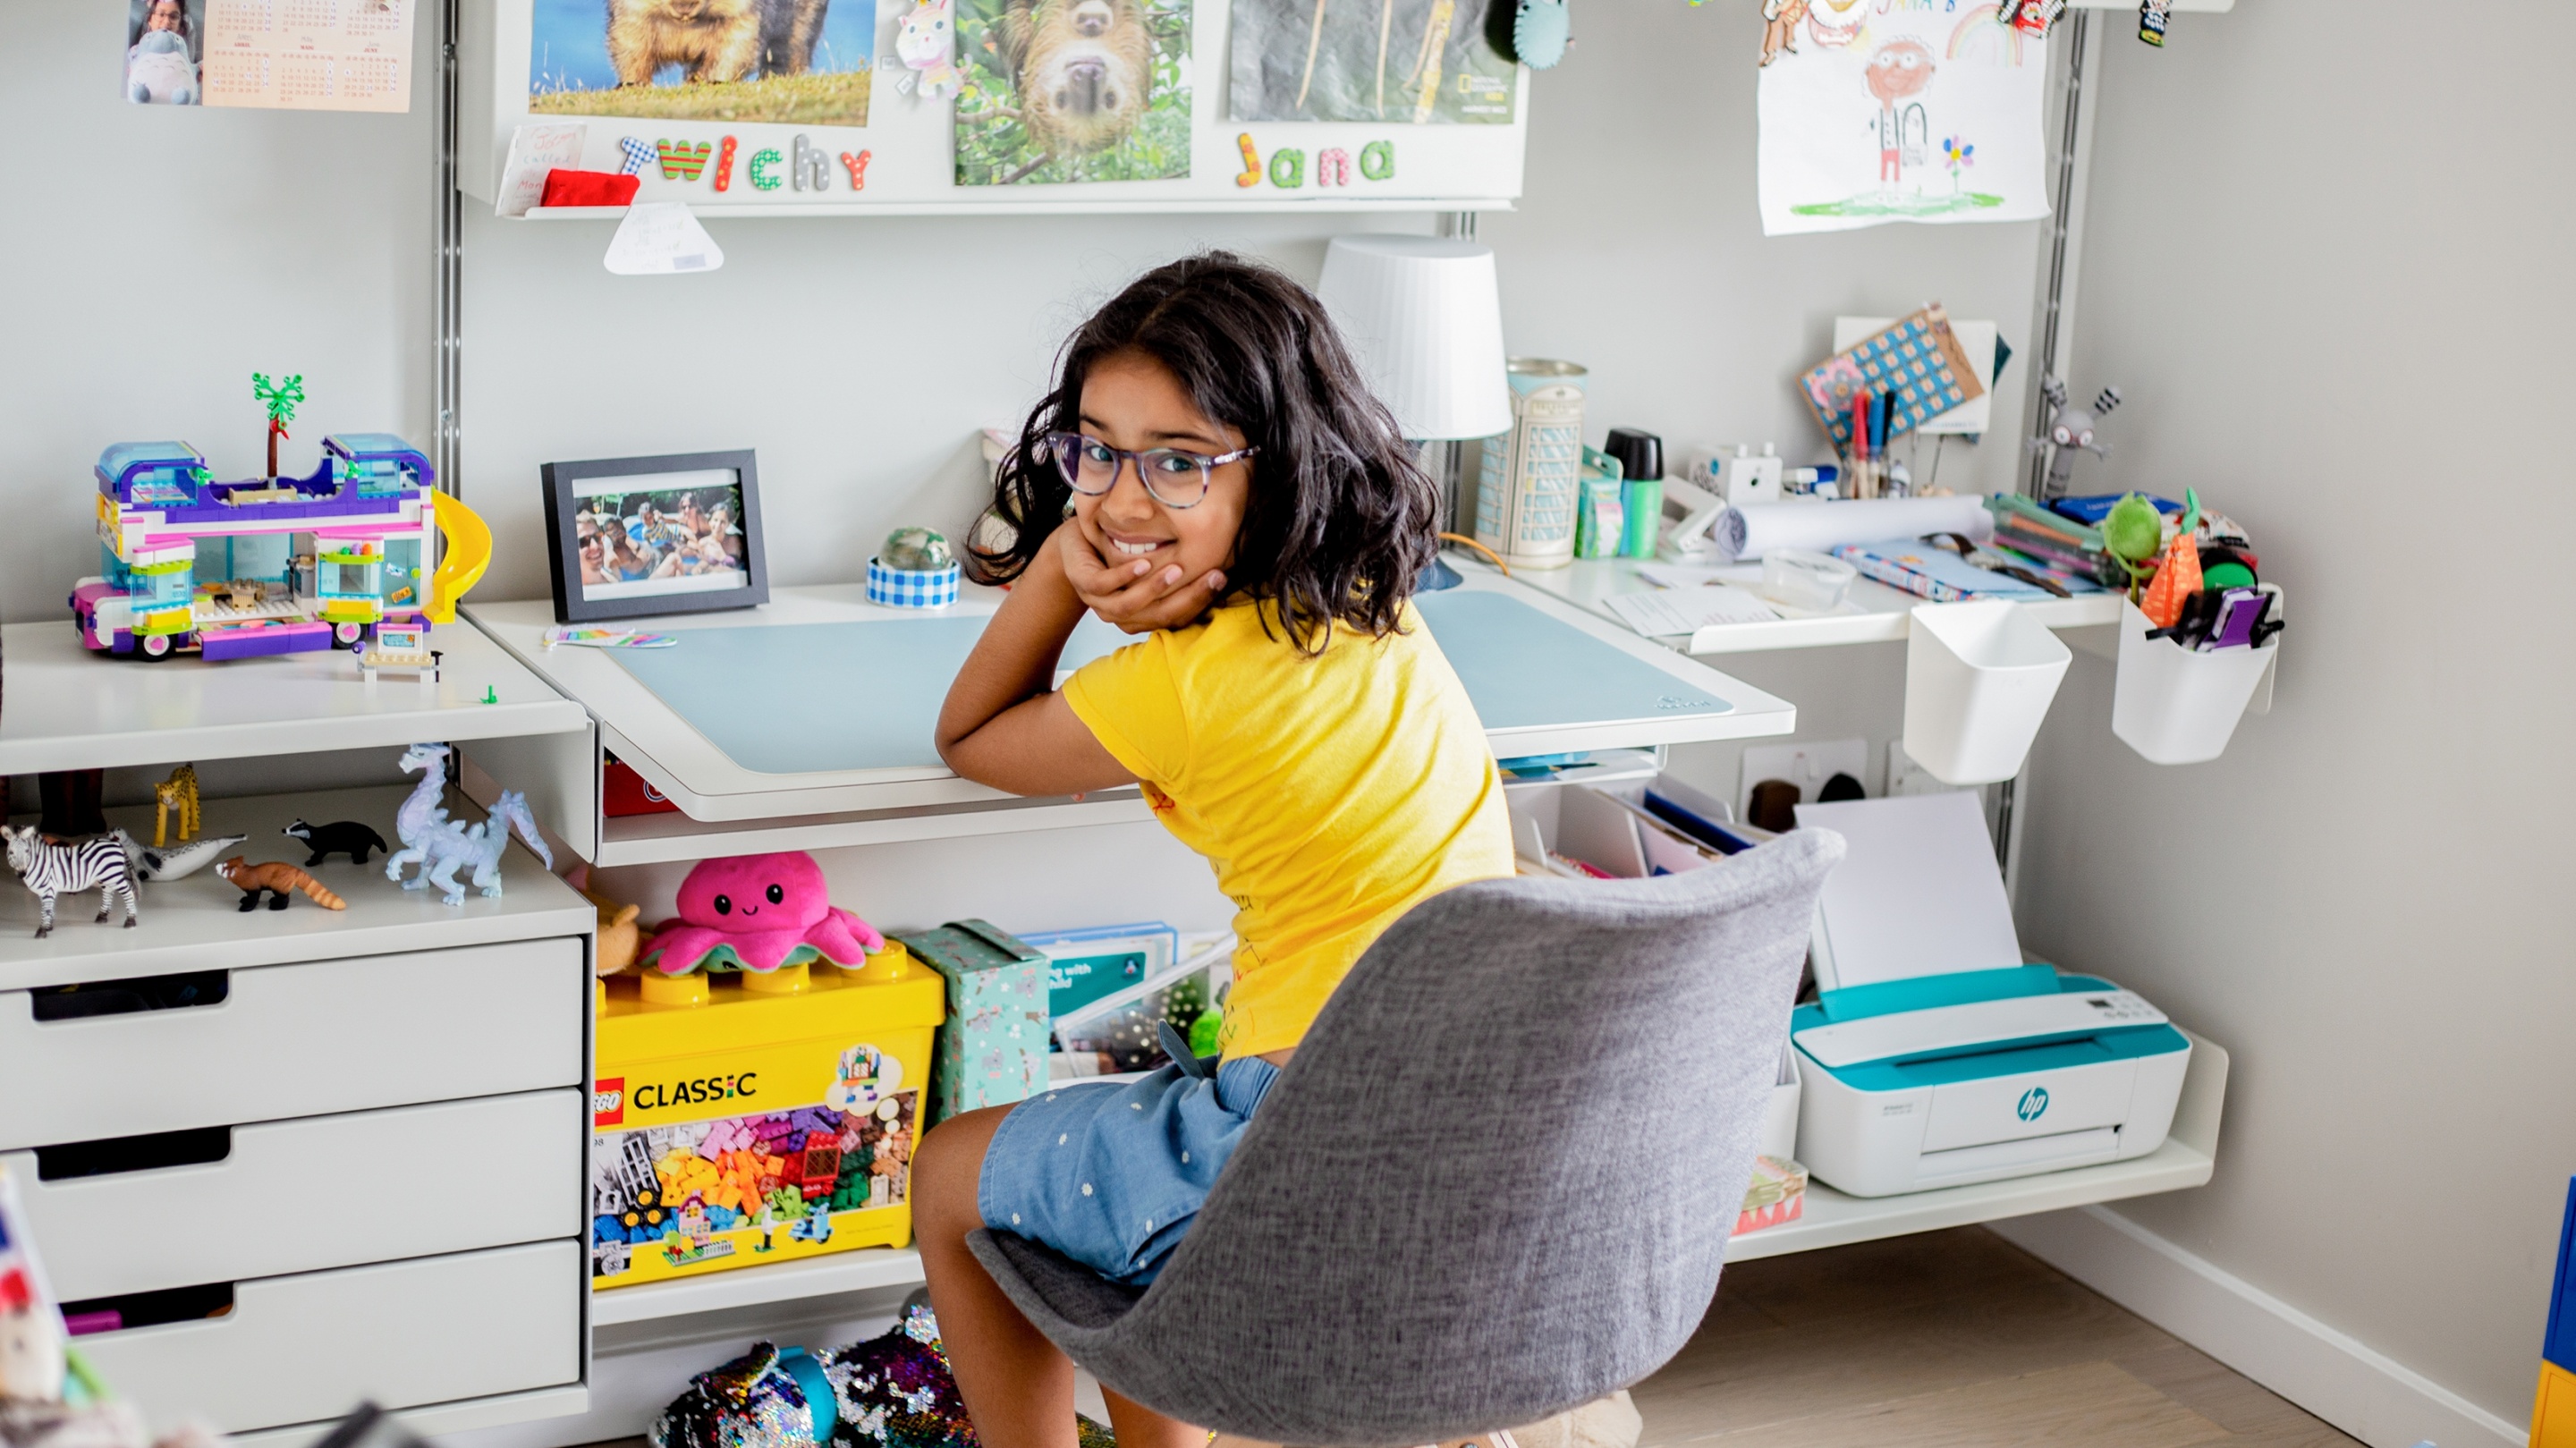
1135 602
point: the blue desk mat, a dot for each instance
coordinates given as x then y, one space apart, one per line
813 697
805 698
1525 669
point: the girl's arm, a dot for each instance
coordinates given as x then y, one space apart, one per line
1003 724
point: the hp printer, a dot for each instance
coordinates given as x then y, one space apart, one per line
1932 1055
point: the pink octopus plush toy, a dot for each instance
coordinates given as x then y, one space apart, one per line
759 913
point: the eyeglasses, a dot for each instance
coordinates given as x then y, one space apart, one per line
1177 479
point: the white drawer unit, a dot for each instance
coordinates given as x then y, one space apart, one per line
301 1040
304 1348
297 1196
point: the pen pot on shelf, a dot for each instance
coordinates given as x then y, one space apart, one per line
1979 678
2180 706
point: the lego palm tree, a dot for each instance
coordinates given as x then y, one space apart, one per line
281 397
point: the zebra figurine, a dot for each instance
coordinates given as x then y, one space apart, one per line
50 869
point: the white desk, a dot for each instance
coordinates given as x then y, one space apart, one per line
1872 613
729 809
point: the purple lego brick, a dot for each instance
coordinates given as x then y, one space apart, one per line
351 508
250 643
83 1324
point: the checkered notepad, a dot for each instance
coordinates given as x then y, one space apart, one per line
1918 359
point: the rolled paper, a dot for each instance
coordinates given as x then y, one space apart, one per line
1744 534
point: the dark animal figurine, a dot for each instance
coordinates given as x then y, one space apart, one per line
345 837
278 880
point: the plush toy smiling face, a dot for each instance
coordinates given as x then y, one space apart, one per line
759 912
755 892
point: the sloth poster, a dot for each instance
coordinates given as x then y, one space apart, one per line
1073 90
1418 62
807 61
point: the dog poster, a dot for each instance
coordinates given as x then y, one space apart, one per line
1419 62
1875 111
1073 90
807 62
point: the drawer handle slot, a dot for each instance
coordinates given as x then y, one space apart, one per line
111 1155
148 1309
133 995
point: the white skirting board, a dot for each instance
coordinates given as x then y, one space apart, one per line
2365 1393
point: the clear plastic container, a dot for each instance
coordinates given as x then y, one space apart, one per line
1805 580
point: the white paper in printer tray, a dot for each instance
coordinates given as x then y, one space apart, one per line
1919 893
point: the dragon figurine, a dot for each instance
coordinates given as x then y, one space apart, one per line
442 847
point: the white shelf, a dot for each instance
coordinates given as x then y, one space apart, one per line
1873 613
1830 1219
857 1271
1069 207
198 923
63 707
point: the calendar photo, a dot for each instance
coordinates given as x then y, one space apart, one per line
284 55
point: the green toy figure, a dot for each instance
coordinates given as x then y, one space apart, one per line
2134 533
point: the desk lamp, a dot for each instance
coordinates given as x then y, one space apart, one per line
1424 319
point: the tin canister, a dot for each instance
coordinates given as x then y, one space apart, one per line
1528 485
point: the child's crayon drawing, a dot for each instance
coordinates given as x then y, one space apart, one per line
1851 111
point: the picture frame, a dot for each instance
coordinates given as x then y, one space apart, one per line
647 536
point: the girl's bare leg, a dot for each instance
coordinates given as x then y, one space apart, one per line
1018 1387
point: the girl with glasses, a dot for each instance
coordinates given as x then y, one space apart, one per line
1211 475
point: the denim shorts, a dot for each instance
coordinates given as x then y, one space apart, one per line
1111 1174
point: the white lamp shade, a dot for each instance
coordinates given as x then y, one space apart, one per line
1424 318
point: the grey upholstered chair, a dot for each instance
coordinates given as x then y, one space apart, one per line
1495 1183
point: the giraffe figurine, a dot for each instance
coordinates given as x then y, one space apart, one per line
178 792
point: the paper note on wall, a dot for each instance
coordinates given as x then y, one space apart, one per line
1902 110
309 55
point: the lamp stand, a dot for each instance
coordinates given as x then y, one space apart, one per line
1440 458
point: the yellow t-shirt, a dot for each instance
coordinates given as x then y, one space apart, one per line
1331 793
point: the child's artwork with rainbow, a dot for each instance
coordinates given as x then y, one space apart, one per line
1901 110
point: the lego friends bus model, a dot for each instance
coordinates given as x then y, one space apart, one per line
191 565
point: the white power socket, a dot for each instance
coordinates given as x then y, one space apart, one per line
1807 764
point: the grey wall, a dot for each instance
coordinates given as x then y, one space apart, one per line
2327 259
860 356
152 258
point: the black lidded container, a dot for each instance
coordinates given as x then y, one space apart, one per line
1640 454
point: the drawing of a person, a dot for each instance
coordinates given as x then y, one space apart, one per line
1899 71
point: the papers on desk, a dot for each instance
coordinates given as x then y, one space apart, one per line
1688 610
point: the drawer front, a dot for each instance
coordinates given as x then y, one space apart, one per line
298 1349
327 1191
302 1040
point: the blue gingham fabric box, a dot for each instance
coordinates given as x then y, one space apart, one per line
903 588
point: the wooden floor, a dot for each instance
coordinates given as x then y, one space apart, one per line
1945 1340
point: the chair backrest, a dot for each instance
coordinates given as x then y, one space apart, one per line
1498 1178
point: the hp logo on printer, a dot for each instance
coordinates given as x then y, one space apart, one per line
2033 1102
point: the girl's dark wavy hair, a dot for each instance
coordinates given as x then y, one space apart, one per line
1341 517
